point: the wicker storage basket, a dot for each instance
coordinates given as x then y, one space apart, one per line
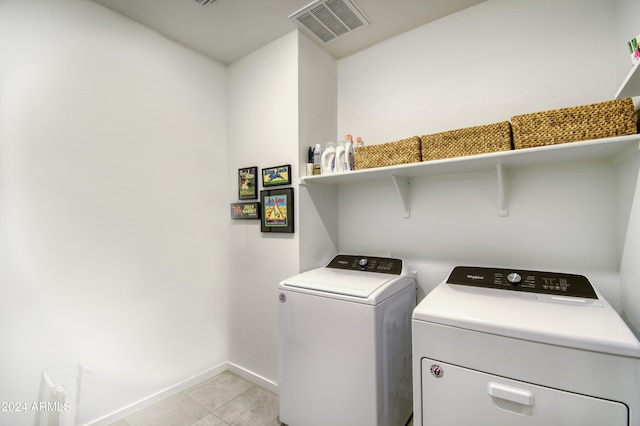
593 121
403 151
467 141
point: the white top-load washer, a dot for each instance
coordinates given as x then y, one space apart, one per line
514 347
345 344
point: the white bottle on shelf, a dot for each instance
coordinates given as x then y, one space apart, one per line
340 157
329 158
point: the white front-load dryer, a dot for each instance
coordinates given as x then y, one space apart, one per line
507 347
345 344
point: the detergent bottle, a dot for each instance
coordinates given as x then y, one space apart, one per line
340 157
329 158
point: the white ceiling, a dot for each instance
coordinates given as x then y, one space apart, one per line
227 30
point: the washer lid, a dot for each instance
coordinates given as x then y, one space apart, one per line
361 285
358 279
563 321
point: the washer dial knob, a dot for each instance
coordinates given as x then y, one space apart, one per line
363 262
514 278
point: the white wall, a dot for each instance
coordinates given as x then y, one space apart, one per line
114 241
627 28
318 117
263 132
629 188
479 66
629 191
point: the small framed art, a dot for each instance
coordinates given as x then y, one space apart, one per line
277 210
248 183
276 176
250 210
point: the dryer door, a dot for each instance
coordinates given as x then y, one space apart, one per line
457 396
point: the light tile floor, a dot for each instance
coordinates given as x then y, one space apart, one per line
224 400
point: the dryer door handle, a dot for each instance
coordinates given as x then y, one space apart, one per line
516 395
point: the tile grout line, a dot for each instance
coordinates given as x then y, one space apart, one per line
212 412
205 408
229 402
253 386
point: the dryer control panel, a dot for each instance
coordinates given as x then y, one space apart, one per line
385 265
553 283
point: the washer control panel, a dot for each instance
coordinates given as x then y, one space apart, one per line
552 283
385 265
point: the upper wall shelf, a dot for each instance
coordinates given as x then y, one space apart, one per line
631 84
607 149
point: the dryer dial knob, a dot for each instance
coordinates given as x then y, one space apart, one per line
514 278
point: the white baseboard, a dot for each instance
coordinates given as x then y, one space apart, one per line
159 396
252 377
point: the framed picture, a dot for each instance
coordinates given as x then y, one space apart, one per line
277 210
249 210
276 176
248 183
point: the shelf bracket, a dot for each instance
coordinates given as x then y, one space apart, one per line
402 186
502 196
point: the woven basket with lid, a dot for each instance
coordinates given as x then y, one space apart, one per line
403 151
579 123
467 141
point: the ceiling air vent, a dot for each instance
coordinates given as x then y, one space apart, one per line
330 19
205 2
